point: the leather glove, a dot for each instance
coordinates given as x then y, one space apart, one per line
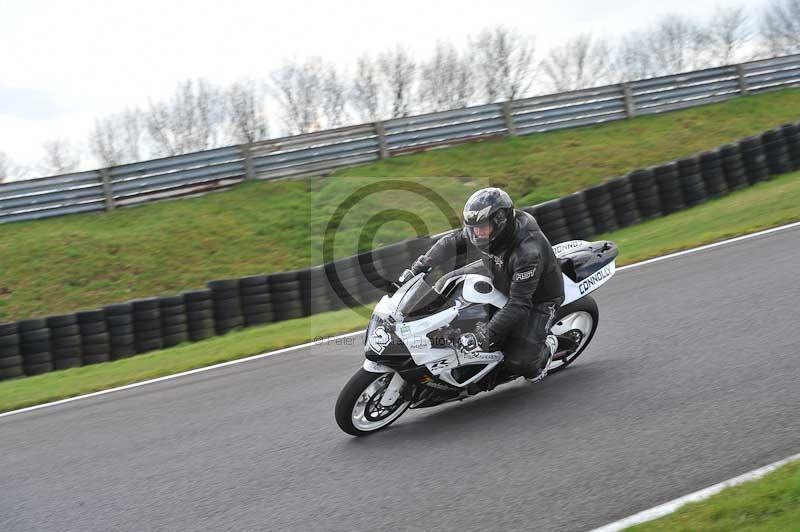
479 340
422 265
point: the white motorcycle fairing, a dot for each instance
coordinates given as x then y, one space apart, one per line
476 290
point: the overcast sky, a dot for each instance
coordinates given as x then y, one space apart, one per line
63 63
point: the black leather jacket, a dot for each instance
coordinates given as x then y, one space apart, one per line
526 271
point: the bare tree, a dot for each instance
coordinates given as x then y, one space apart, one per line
727 33
4 167
631 59
246 115
9 170
298 89
105 141
131 121
504 63
780 27
677 44
398 73
334 97
192 120
60 157
578 63
365 91
446 80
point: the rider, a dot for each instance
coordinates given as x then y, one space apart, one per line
522 265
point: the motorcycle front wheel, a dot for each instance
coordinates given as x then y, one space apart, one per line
358 409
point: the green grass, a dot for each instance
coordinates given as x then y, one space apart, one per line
28 391
85 261
770 504
764 205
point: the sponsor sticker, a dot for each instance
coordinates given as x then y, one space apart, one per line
596 278
566 246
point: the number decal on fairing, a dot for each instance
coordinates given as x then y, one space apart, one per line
378 340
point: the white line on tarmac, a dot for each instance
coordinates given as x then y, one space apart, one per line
671 506
334 338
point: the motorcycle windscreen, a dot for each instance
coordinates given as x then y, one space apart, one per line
417 298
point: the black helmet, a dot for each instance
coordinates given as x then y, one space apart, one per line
489 206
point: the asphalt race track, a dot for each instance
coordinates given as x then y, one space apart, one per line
693 378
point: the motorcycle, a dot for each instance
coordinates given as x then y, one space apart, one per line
414 360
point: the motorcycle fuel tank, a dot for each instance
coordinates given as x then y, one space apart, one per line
479 289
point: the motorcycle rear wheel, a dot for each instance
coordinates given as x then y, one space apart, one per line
579 320
358 410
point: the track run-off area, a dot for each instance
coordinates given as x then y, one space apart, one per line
691 379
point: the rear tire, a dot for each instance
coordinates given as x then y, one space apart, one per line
581 315
353 411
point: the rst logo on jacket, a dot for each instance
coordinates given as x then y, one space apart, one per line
523 276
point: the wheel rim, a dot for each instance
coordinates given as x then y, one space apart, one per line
579 325
368 414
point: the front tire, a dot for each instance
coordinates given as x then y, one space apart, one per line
358 410
578 320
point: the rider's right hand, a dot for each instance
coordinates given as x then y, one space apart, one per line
469 342
422 265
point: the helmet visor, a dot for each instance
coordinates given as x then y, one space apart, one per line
482 232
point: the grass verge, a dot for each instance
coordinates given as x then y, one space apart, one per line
764 205
85 261
770 504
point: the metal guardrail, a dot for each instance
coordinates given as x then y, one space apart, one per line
324 151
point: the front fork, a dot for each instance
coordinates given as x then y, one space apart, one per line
393 391
396 385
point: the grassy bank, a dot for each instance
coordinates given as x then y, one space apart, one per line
84 261
770 504
764 205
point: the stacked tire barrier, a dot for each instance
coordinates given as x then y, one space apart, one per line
121 333
755 160
578 216
624 201
776 151
551 219
227 305
147 324
692 186
791 132
35 346
174 326
95 340
285 296
65 341
645 191
733 167
711 171
34 340
669 187
10 352
256 300
199 314
598 200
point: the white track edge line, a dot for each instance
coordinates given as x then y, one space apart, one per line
671 506
181 374
334 338
710 246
